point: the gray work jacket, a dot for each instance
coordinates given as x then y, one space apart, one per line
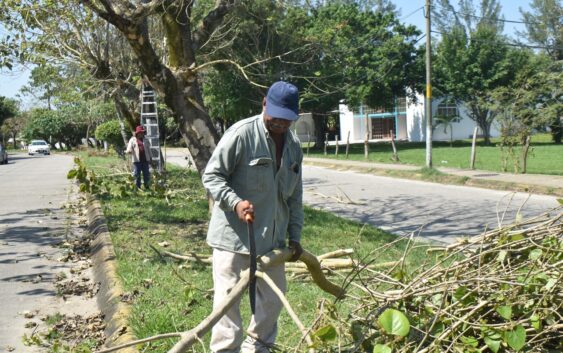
243 167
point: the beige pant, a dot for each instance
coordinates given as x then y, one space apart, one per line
227 334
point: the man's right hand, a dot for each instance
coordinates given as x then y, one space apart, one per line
243 208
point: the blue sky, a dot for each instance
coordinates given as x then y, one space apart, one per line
411 12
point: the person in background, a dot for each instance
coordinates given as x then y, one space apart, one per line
139 148
256 170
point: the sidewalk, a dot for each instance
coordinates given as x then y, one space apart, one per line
547 184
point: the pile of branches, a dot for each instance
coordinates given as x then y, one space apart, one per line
330 262
500 291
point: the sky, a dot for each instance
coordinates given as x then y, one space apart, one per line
411 12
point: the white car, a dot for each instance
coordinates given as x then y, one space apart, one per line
38 146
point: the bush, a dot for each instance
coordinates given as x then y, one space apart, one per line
110 132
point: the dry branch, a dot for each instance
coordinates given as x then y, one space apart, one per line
486 290
275 257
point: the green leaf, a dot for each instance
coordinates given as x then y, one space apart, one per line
550 283
189 294
327 333
394 322
464 295
560 201
493 344
536 322
535 254
71 174
517 237
381 348
516 338
470 341
505 311
317 73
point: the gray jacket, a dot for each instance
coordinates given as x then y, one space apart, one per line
243 167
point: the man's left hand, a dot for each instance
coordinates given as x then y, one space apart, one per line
297 250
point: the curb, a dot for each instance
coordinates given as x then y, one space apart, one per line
469 181
109 301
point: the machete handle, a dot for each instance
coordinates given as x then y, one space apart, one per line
249 217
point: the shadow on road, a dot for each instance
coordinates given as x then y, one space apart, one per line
435 216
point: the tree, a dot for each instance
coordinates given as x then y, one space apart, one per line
55 126
473 59
64 33
363 57
176 81
110 133
535 97
9 107
44 82
544 26
318 49
12 127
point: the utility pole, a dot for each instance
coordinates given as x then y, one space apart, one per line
428 99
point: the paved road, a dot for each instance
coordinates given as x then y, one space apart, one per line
439 212
32 221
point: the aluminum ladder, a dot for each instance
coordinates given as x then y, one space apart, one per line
149 119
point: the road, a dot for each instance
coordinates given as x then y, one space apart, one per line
33 191
436 212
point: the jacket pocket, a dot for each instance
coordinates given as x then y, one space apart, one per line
290 180
259 171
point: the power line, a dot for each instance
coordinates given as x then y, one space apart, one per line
488 18
519 45
410 14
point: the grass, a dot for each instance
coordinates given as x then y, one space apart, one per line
171 297
545 157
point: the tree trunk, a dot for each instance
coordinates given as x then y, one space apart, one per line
556 129
177 84
320 129
524 156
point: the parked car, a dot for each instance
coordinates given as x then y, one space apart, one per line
38 146
3 155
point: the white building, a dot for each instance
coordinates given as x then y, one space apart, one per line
406 121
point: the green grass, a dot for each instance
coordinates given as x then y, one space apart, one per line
545 157
170 297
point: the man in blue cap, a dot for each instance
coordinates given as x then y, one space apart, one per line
255 170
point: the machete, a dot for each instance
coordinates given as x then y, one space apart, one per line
252 248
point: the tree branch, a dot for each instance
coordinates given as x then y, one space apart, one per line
211 22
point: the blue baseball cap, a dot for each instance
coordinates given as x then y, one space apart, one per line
282 101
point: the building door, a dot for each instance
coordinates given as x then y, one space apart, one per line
381 128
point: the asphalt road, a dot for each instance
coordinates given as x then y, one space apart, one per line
433 211
33 190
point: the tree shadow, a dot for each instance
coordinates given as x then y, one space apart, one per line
431 216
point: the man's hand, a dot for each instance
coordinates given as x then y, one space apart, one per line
243 208
297 250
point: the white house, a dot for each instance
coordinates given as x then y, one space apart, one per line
406 121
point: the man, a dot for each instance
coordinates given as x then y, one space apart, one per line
139 148
256 170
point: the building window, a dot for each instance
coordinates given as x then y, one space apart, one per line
447 108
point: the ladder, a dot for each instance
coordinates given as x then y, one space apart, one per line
149 119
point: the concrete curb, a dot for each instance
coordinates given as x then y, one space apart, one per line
115 311
470 181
